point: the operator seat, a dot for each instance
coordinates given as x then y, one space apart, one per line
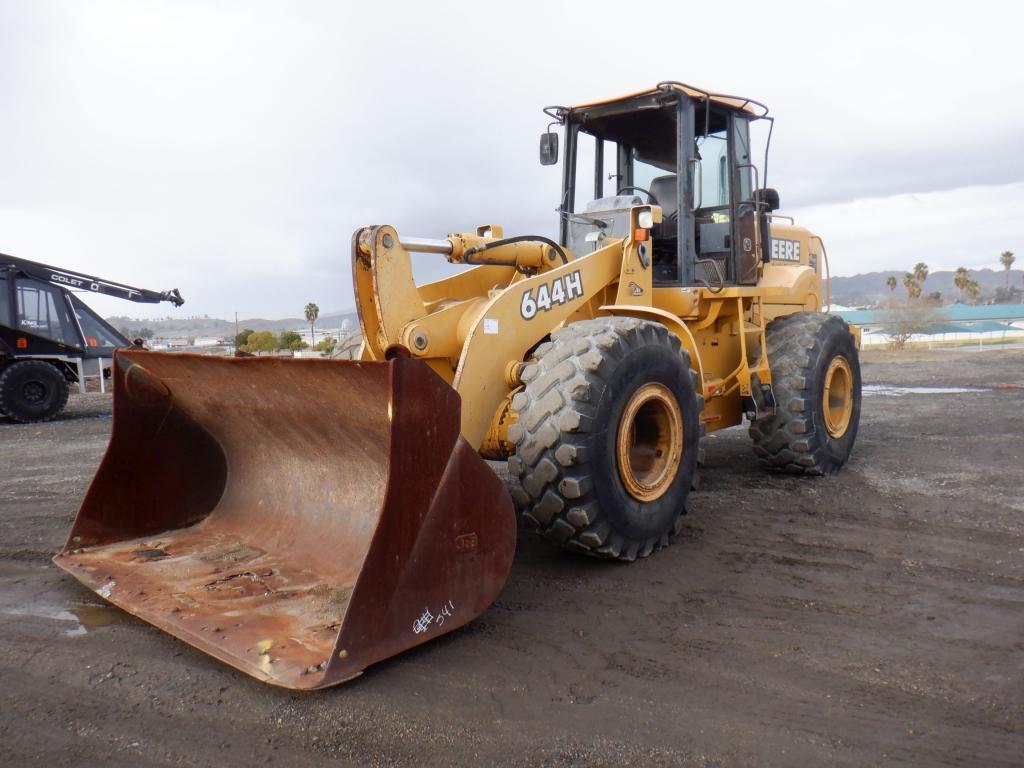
664 190
710 239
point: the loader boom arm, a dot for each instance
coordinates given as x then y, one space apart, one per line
476 339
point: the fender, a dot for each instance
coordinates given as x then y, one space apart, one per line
667 319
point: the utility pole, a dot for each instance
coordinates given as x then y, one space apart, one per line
236 323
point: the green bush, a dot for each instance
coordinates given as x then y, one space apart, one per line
291 340
261 341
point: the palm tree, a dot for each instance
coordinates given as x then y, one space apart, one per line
973 290
912 286
960 279
891 282
312 313
1006 259
920 272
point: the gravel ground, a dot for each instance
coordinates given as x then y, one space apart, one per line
872 617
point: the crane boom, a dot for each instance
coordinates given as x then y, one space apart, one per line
67 278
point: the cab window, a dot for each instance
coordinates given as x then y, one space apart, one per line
43 311
597 173
741 149
96 333
5 300
644 172
713 159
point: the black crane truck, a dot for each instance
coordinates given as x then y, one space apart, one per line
49 338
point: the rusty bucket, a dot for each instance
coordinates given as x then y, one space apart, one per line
297 519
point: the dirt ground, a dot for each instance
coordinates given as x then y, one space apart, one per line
874 617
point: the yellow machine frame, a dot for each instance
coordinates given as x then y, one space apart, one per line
470 329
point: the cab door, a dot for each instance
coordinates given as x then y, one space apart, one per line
748 230
727 219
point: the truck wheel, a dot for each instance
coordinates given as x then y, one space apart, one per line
607 437
32 390
816 379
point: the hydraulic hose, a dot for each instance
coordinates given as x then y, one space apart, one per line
509 241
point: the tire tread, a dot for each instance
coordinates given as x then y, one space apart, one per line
788 441
555 411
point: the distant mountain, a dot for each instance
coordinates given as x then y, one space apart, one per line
214 326
870 288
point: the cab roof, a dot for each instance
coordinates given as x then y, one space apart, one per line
740 103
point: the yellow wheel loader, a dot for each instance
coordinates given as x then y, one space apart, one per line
303 519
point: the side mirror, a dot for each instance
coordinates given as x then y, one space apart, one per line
548 148
768 196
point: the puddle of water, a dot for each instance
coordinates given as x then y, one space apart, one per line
85 616
886 389
93 615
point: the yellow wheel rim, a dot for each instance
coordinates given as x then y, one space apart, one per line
649 444
837 397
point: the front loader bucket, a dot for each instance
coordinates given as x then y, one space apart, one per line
297 519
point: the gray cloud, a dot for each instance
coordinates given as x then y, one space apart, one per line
231 148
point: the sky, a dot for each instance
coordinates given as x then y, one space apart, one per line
230 149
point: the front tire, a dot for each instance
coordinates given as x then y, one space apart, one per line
32 390
816 380
607 437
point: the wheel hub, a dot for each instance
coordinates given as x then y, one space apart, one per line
34 392
837 397
649 444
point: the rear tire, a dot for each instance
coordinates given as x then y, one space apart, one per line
32 390
813 430
607 437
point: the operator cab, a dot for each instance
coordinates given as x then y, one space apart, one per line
51 320
683 149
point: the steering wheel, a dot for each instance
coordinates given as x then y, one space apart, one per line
650 196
